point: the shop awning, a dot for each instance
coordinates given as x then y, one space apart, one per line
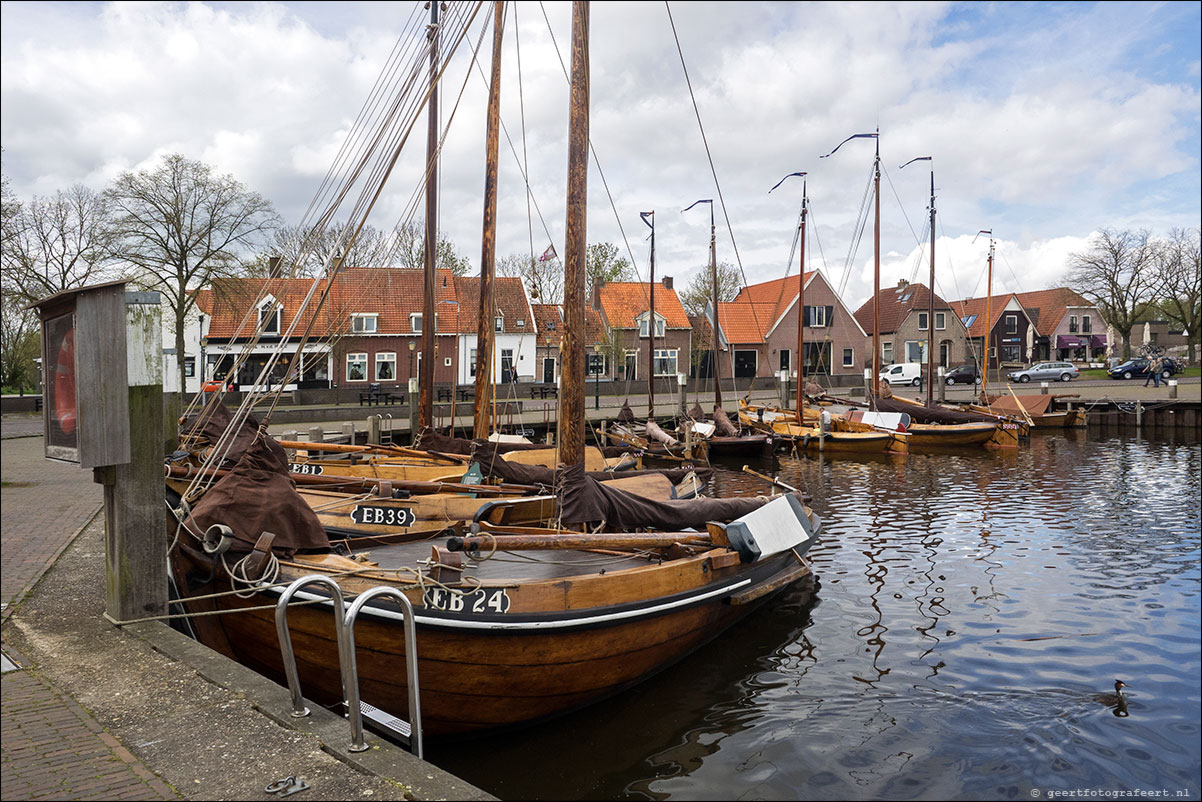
1069 341
1097 340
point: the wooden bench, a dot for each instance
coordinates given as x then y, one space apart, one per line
375 398
544 391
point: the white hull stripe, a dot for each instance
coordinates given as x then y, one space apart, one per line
572 623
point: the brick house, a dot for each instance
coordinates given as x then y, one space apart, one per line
624 308
905 330
1067 326
758 332
1010 331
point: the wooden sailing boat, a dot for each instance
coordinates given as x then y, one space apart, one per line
497 643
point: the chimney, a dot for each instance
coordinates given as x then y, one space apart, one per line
667 282
597 293
273 266
902 283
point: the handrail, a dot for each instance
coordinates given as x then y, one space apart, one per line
289 656
350 683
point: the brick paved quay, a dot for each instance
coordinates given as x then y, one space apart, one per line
92 711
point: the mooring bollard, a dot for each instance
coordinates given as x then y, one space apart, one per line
317 434
1172 388
373 428
1043 388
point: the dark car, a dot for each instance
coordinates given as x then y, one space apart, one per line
1138 369
965 374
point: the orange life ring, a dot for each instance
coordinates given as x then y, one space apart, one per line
64 385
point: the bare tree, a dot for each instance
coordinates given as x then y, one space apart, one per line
696 295
306 252
1116 272
543 280
58 243
1178 278
180 225
408 250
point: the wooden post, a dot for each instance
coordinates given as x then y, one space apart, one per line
134 493
373 429
348 429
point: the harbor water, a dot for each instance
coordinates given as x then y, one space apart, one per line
971 610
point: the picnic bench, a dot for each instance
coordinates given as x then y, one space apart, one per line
462 393
375 397
544 391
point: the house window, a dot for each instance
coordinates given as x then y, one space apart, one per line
818 316
471 369
746 364
915 351
1011 353
784 359
520 323
499 324
665 362
1011 324
922 321
269 318
356 367
364 324
849 358
1086 324
385 366
644 325
189 367
940 321
968 320
415 322
1072 324
887 353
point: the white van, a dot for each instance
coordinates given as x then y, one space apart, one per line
905 373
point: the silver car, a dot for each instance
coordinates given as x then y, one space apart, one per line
1046 371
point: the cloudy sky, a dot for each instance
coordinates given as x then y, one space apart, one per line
1046 121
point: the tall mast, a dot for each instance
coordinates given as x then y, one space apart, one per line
930 287
876 275
651 324
876 256
801 298
714 296
488 248
426 379
571 407
988 313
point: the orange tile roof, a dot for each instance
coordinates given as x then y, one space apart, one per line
778 293
895 303
550 324
1047 308
623 301
745 322
509 299
976 306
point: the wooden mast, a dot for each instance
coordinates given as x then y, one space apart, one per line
876 275
651 323
428 359
988 315
931 303
801 310
714 275
488 248
571 406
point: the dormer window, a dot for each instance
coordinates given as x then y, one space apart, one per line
644 325
499 323
269 316
520 323
415 322
364 324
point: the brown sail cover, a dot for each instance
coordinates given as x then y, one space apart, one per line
440 443
257 495
625 415
1033 405
207 427
924 414
582 499
723 424
495 465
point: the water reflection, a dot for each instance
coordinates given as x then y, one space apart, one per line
971 606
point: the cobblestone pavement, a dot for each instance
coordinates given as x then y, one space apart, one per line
51 747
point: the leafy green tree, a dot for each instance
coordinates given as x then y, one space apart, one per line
697 293
603 264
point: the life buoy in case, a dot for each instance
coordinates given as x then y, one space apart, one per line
64 385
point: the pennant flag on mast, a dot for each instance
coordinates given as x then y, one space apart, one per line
548 254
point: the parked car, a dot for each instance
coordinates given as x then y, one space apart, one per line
964 374
905 373
1137 368
1046 371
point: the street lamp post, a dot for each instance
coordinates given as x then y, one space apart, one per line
597 378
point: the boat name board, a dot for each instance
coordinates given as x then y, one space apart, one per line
304 467
481 600
382 514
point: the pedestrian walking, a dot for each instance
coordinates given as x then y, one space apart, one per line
1154 371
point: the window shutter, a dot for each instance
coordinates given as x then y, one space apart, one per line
830 311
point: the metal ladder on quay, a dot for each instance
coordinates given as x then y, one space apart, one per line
408 732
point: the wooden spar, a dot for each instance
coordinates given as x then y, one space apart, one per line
876 274
429 326
988 317
488 246
651 331
488 543
931 303
714 275
571 405
747 469
330 481
801 311
399 451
